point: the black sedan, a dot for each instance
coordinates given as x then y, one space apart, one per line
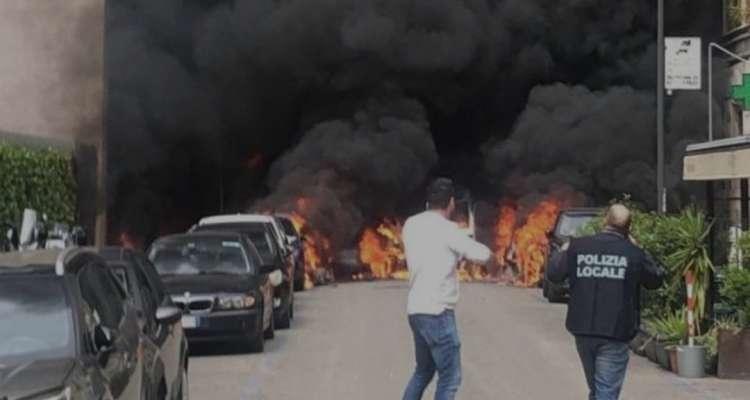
67 330
221 283
262 234
298 251
140 279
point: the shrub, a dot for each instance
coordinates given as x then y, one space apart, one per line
671 328
735 289
38 179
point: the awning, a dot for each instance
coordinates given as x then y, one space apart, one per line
718 160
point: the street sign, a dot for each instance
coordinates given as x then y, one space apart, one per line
741 92
682 68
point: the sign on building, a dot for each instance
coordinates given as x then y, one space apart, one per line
682 68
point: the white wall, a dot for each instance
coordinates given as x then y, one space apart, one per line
51 63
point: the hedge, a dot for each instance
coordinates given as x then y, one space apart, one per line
42 179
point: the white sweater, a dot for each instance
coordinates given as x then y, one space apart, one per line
434 246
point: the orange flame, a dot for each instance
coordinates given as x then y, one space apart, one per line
127 241
506 225
316 246
383 251
532 244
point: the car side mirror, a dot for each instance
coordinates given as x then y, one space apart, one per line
268 268
168 314
103 343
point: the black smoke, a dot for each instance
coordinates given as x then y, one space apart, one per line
229 104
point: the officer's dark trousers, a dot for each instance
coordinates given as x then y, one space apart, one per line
604 363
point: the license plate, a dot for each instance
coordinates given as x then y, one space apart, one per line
189 322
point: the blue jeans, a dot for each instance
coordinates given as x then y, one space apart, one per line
604 363
437 349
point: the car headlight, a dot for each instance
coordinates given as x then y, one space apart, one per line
65 394
235 302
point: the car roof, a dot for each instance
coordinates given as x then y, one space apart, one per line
115 253
203 234
235 218
582 210
43 258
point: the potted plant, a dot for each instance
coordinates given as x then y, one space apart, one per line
734 337
670 330
691 261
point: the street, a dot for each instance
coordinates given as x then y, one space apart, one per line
352 342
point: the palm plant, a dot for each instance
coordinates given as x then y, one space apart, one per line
690 258
669 329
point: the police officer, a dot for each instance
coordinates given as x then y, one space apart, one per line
606 272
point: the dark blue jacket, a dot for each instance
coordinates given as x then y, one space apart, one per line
606 272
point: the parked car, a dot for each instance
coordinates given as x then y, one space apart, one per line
298 251
67 330
263 232
221 283
568 225
167 337
347 264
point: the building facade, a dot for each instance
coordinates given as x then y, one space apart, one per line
52 85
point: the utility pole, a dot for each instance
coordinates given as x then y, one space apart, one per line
661 199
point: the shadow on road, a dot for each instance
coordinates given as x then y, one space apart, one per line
213 349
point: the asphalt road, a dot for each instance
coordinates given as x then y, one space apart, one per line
352 342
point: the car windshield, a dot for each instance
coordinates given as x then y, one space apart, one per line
288 227
199 256
35 318
570 225
256 232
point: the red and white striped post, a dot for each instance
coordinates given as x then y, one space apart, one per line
690 282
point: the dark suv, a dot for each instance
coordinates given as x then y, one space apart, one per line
67 330
167 338
221 283
568 225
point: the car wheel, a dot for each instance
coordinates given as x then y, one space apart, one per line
299 284
271 331
283 318
545 289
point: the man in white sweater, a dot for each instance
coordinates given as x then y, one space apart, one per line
434 247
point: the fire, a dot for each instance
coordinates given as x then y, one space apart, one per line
127 241
526 246
383 250
504 229
316 246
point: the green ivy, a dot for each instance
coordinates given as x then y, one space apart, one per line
39 179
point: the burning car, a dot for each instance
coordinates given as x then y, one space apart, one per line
568 225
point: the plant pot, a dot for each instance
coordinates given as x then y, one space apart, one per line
637 343
734 354
662 357
712 364
691 361
650 349
672 351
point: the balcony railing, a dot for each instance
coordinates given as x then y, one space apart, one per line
736 14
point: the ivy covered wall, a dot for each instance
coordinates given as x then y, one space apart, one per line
41 179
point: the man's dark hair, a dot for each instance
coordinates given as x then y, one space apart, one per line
439 193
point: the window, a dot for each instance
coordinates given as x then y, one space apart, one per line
153 278
102 294
736 14
200 256
147 299
35 318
